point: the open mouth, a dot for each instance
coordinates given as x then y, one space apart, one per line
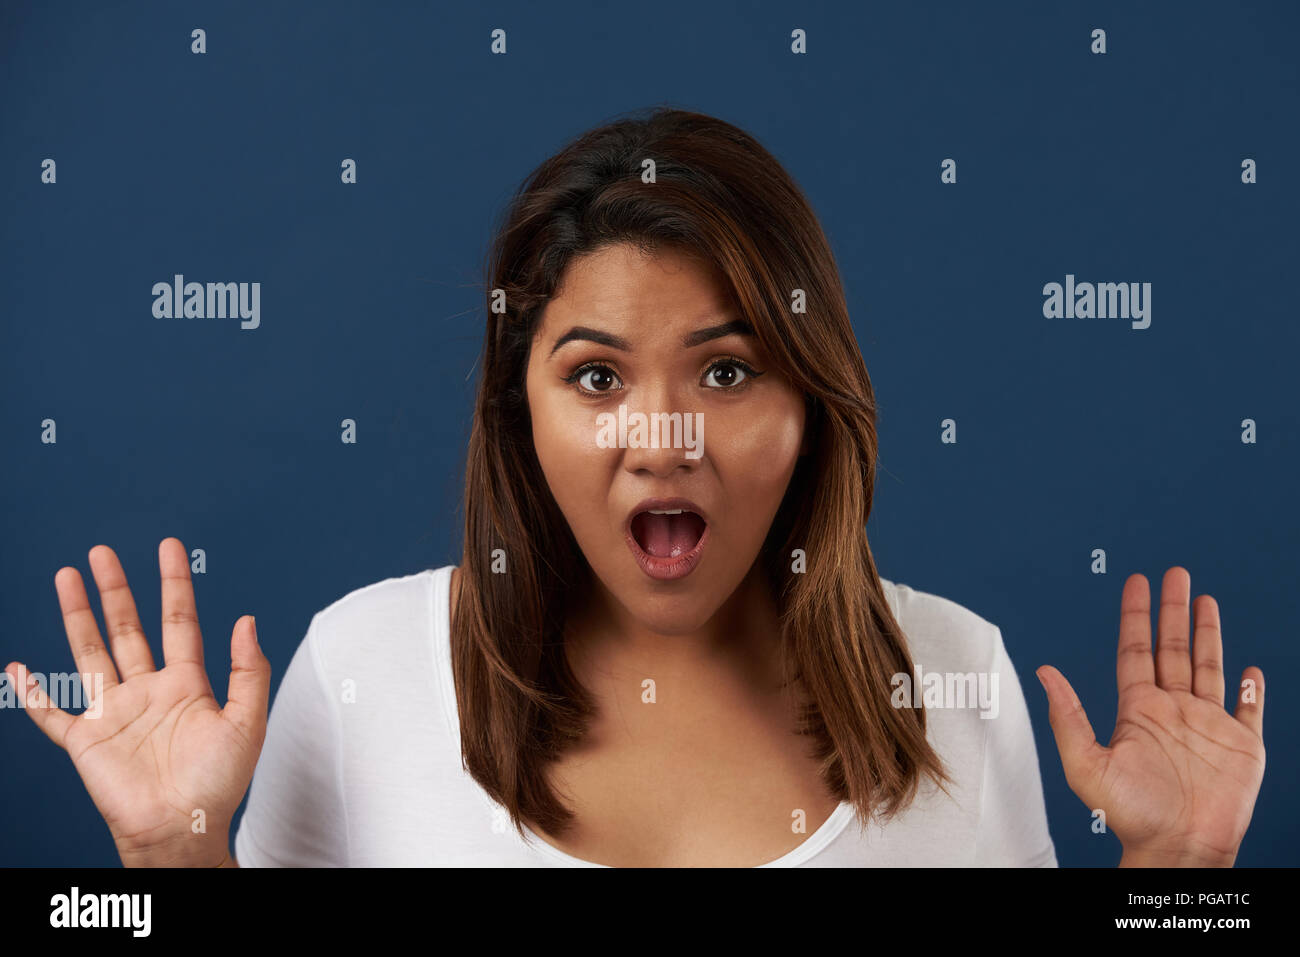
667 533
667 538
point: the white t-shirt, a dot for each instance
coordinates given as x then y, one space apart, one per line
362 763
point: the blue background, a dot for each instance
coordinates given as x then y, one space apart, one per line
1073 434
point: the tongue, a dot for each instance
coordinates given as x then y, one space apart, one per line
667 536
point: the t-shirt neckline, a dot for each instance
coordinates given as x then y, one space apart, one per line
818 839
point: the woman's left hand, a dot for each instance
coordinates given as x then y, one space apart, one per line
1179 779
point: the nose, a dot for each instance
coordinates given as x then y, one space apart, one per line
659 463
663 437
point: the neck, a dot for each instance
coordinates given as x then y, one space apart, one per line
608 647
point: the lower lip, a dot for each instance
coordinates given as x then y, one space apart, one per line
667 569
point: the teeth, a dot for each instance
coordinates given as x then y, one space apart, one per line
666 511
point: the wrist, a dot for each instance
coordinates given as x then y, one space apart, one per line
191 850
1178 855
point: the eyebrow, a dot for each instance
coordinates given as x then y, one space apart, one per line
696 338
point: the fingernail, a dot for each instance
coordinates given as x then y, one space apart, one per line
254 623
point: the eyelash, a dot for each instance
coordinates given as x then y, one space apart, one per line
750 374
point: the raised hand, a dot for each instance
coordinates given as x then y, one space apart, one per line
154 747
1179 779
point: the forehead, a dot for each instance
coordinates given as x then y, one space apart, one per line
625 286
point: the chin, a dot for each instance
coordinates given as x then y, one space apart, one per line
669 615
670 608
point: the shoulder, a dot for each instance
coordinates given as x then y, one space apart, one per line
384 598
966 676
940 630
388 620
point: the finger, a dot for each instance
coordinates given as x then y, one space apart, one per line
1250 700
130 646
250 681
88 649
1173 662
55 722
1133 665
181 639
1207 652
1075 739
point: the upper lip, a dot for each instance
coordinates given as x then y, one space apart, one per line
685 504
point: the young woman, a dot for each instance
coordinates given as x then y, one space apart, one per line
666 642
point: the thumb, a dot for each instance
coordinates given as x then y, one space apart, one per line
250 681
1075 739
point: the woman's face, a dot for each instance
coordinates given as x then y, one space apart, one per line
670 531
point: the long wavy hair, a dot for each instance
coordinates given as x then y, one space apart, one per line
718 194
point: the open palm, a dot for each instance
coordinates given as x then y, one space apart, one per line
1179 779
165 765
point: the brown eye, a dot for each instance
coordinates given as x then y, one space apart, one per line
728 374
595 378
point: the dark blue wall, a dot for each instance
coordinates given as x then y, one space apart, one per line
1073 434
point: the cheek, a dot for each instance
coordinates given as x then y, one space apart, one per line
564 434
755 451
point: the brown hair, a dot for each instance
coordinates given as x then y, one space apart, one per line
719 195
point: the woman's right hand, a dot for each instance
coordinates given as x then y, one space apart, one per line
165 765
